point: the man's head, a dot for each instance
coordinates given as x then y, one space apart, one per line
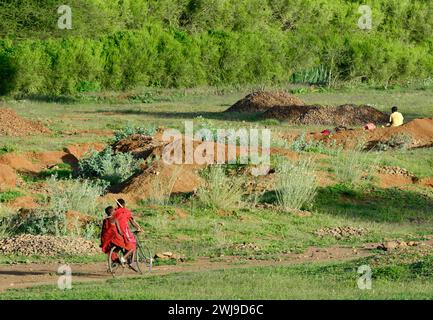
121 203
394 109
109 210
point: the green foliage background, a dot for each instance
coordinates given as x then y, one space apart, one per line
119 44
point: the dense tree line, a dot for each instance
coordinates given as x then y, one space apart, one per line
118 44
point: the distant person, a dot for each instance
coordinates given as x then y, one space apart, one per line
396 119
124 217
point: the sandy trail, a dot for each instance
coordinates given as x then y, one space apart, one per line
33 274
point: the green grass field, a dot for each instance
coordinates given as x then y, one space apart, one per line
399 277
394 213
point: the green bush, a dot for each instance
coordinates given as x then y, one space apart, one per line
109 166
296 185
130 130
185 43
62 196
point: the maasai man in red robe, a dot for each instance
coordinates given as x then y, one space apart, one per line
124 217
111 234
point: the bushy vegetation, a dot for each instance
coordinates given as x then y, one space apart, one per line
350 166
220 191
109 166
130 130
186 43
296 184
63 196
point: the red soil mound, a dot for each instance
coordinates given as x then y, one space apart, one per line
19 162
24 202
183 178
13 125
419 130
261 101
8 178
327 115
79 150
186 176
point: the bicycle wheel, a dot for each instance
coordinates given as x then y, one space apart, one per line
143 258
114 265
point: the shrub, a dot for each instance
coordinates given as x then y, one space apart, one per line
108 166
130 130
220 191
73 194
296 184
63 196
301 144
6 222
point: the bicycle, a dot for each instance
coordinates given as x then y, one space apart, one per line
139 261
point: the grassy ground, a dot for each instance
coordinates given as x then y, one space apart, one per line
399 276
403 213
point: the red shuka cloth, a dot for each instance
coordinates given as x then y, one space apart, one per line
123 216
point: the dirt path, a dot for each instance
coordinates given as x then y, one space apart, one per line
33 274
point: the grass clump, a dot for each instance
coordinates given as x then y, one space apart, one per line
220 191
109 166
162 187
296 184
351 165
9 195
7 148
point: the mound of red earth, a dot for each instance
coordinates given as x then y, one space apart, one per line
13 125
344 115
262 101
182 176
420 132
8 177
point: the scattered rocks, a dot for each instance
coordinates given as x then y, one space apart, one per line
13 125
341 232
168 256
28 245
245 247
394 170
396 244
